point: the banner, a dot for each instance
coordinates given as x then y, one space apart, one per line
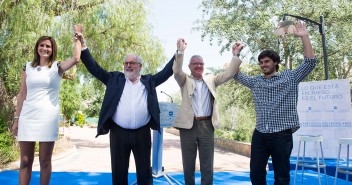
324 108
167 113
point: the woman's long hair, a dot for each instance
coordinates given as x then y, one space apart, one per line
36 59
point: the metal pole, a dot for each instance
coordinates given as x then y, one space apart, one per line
325 55
322 33
168 96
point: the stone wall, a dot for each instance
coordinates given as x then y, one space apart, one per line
237 147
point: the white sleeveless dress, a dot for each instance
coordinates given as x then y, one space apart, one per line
39 117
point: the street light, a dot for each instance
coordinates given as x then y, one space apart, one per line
286 28
168 96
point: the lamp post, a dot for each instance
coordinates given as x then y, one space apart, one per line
168 96
322 33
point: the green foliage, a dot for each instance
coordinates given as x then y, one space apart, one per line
9 149
116 28
236 135
214 70
80 121
237 115
70 99
253 22
92 92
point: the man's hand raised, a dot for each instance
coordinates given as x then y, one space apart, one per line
300 29
181 45
237 48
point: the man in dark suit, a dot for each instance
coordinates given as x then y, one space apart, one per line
130 108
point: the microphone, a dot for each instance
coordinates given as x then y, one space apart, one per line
168 96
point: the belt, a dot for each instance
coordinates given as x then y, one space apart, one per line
201 118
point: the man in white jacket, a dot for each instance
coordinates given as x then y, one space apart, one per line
198 114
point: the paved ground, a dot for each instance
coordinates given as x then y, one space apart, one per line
93 155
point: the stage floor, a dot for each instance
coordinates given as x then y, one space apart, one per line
220 178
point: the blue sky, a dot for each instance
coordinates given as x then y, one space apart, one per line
174 19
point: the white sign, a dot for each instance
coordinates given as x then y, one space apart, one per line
167 113
324 108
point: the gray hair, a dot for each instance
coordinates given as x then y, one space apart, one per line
139 59
195 56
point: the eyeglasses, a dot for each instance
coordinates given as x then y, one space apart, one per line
197 64
130 63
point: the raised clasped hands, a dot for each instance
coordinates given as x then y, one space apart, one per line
237 48
300 29
79 37
181 45
78 34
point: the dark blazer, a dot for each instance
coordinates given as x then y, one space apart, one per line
115 83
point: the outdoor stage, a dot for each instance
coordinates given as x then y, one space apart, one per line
220 178
330 168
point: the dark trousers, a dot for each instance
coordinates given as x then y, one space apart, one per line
200 136
122 142
277 145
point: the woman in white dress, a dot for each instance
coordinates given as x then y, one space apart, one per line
37 112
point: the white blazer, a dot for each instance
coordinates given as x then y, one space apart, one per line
185 114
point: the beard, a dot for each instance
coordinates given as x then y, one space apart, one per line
132 75
269 71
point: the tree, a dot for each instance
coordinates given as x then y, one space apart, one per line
236 109
70 98
7 143
92 92
253 22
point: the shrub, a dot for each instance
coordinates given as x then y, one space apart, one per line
80 121
237 123
9 148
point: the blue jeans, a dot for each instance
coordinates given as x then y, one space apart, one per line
277 145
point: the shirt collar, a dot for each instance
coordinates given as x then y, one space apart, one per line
197 79
129 81
276 74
